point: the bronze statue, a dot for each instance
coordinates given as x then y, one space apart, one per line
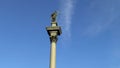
53 16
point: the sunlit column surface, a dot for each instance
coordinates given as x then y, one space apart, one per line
53 55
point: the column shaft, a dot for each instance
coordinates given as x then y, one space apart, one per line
53 55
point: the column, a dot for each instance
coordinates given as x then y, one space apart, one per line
53 55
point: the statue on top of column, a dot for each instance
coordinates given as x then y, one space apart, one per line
53 16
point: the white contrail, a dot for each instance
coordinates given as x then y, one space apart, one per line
66 16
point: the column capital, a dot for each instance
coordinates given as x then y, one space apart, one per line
53 39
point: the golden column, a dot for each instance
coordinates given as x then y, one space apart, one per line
53 31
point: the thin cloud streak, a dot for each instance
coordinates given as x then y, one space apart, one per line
67 9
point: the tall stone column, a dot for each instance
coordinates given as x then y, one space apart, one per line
53 55
53 31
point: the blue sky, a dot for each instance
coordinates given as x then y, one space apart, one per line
90 38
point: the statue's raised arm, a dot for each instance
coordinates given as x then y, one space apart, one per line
53 16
